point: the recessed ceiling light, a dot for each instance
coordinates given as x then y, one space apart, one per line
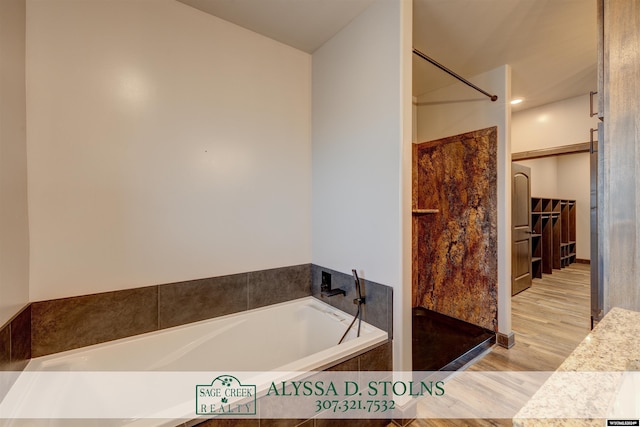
516 101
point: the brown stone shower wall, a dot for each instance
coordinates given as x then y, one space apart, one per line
455 264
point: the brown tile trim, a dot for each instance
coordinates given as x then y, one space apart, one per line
378 358
78 320
349 365
67 323
277 285
15 347
191 301
5 348
15 341
12 318
21 339
5 360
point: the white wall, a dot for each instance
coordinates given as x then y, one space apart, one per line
458 109
573 183
552 125
14 227
356 146
402 318
544 172
164 144
361 93
560 123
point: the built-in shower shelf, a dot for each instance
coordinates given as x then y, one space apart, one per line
425 211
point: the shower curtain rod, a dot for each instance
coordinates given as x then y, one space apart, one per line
453 74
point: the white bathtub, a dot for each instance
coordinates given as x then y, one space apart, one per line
295 336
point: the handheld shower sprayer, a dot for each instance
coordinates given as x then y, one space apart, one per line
359 301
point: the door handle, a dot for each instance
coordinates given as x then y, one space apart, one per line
591 141
591 112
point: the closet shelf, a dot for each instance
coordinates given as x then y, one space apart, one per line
555 221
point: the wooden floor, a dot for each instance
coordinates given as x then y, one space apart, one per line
549 320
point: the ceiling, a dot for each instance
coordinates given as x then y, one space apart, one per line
550 44
303 24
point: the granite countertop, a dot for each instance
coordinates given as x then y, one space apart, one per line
581 392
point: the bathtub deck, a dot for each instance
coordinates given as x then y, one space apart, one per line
443 343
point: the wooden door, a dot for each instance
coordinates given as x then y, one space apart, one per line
618 228
597 293
521 228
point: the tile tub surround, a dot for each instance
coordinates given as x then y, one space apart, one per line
78 321
15 346
68 323
204 298
377 359
611 348
377 309
15 341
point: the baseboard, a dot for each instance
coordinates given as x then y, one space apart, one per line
583 261
506 341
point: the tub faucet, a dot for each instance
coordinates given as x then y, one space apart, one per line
333 292
325 287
